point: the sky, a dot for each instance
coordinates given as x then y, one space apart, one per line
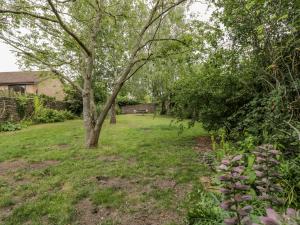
8 61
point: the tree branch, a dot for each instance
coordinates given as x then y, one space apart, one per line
162 39
5 11
164 12
68 30
34 58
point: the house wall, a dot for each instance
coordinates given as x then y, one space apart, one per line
51 87
132 109
3 87
31 89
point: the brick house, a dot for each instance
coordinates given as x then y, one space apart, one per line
37 82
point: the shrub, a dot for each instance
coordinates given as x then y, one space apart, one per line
235 191
46 115
9 126
126 101
266 169
203 208
290 182
22 102
290 217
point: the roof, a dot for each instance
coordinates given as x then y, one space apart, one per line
21 77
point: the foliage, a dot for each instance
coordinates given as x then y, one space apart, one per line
291 217
235 191
247 80
290 182
266 169
22 101
74 100
46 115
9 126
203 208
267 188
124 100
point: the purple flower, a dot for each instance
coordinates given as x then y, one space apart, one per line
291 212
226 205
225 191
243 177
223 167
272 214
241 187
275 152
247 208
269 221
274 161
237 158
225 178
246 197
231 221
239 169
225 162
259 173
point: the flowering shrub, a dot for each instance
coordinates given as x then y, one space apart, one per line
291 217
235 191
266 169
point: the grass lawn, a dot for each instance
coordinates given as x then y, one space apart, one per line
140 174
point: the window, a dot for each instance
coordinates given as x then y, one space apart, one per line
17 88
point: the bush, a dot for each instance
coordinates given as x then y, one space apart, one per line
9 126
204 208
122 101
290 171
46 115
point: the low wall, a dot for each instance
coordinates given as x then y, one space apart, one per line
133 109
9 108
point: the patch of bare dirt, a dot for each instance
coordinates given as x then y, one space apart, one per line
42 164
146 214
12 166
88 214
139 212
135 187
150 216
164 184
127 185
203 144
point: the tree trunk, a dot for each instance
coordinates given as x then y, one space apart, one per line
113 119
163 107
93 138
89 109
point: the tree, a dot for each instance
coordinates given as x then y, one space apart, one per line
70 38
247 81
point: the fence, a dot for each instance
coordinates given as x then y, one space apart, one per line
133 109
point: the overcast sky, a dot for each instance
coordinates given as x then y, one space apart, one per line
8 59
